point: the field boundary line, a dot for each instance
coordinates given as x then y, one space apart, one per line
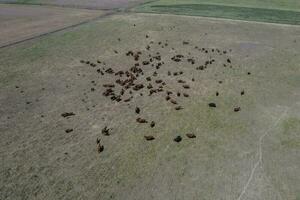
58 6
58 30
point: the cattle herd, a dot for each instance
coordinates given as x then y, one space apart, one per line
143 78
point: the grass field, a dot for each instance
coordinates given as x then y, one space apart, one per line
267 4
229 89
273 11
43 78
270 4
277 11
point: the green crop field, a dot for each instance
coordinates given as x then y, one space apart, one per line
277 11
270 4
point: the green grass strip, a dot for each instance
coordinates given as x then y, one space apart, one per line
228 12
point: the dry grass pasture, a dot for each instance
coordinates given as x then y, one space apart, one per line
250 154
147 106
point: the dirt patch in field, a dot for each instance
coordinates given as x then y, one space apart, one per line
90 4
20 22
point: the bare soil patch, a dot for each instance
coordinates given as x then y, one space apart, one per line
89 4
20 22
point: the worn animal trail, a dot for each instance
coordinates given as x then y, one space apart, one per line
260 154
